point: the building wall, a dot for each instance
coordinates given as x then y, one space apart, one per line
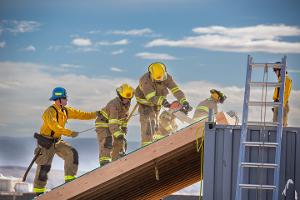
16 196
221 154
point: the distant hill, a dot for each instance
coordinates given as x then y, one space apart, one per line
56 177
15 151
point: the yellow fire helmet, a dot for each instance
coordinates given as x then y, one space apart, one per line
158 71
218 95
125 91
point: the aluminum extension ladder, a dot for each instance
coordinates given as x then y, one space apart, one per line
242 163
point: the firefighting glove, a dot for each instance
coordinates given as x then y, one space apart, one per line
98 113
74 134
166 104
124 129
186 107
121 137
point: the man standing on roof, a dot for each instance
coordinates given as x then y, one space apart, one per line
287 91
151 96
203 107
49 140
112 125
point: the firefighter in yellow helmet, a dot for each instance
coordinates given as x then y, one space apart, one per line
287 91
166 126
151 93
49 139
111 125
201 111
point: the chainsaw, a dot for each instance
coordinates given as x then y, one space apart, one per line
177 110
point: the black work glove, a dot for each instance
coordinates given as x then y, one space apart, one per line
74 134
272 109
124 129
120 137
186 107
166 104
98 113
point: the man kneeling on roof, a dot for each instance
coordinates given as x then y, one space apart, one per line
202 110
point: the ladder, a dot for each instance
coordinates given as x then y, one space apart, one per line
242 163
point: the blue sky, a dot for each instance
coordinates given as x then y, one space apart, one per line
204 44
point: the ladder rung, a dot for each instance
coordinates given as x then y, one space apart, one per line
264 84
258 187
276 65
259 103
262 165
261 144
252 123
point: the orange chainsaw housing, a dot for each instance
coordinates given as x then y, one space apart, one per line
175 105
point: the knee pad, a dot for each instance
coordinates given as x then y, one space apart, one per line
75 156
43 175
108 142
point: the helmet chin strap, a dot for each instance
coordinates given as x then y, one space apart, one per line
61 106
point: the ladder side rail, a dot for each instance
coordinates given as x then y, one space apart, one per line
279 129
244 128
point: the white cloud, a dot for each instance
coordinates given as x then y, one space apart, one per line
294 70
71 49
2 125
2 44
155 56
69 66
82 42
58 47
115 43
116 69
26 87
95 32
252 32
15 26
30 48
86 49
120 51
260 38
133 32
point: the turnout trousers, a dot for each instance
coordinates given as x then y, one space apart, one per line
149 122
44 160
109 148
